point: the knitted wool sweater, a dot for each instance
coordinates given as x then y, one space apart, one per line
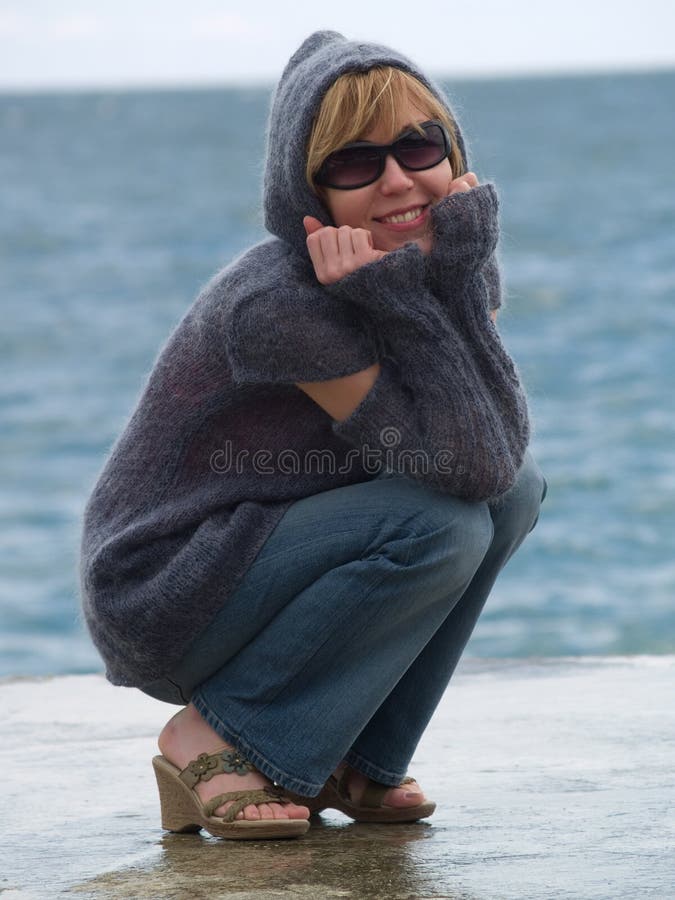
222 441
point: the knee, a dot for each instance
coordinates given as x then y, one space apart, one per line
453 537
517 510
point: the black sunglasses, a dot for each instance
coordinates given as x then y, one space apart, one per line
361 163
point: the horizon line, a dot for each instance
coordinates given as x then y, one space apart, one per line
133 86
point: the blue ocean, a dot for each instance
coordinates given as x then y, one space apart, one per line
115 208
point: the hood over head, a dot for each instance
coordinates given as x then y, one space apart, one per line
318 62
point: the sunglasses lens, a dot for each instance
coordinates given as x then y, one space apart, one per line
415 151
354 167
350 167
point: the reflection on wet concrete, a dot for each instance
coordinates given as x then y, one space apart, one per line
554 779
335 859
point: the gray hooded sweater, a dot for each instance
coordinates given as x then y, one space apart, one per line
222 441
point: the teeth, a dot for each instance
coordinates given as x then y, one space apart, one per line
405 217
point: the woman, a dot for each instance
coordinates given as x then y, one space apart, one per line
298 529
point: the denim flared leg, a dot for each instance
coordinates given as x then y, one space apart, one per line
302 666
386 745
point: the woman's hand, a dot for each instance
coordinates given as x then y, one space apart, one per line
336 252
462 184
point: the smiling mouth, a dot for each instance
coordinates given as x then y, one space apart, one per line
405 218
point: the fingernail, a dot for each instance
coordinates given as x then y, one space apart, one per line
409 795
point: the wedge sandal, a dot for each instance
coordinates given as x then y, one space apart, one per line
335 795
183 810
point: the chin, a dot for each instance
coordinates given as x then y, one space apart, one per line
424 243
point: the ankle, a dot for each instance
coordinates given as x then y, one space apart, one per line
186 735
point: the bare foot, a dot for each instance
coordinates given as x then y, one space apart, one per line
407 795
187 735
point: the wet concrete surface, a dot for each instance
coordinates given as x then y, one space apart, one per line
554 778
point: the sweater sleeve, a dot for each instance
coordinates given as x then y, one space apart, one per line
464 276
466 231
290 334
429 414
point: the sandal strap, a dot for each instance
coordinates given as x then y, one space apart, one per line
341 784
373 793
209 764
242 799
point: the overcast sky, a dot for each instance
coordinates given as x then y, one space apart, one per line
56 43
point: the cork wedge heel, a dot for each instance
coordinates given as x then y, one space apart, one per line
183 811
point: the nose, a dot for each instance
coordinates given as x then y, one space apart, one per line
394 178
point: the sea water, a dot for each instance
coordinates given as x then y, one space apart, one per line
115 208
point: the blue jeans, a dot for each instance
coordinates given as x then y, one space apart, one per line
343 635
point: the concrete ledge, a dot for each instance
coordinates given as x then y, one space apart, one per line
554 778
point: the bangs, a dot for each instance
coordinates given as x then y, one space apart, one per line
359 102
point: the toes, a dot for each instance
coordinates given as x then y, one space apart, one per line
224 808
290 811
266 811
297 812
408 795
278 811
271 810
250 812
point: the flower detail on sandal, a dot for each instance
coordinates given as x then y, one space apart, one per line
209 764
233 761
203 767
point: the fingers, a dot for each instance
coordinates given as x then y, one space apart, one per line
335 252
315 250
463 183
362 241
344 241
311 224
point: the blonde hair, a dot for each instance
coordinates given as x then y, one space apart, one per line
358 102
